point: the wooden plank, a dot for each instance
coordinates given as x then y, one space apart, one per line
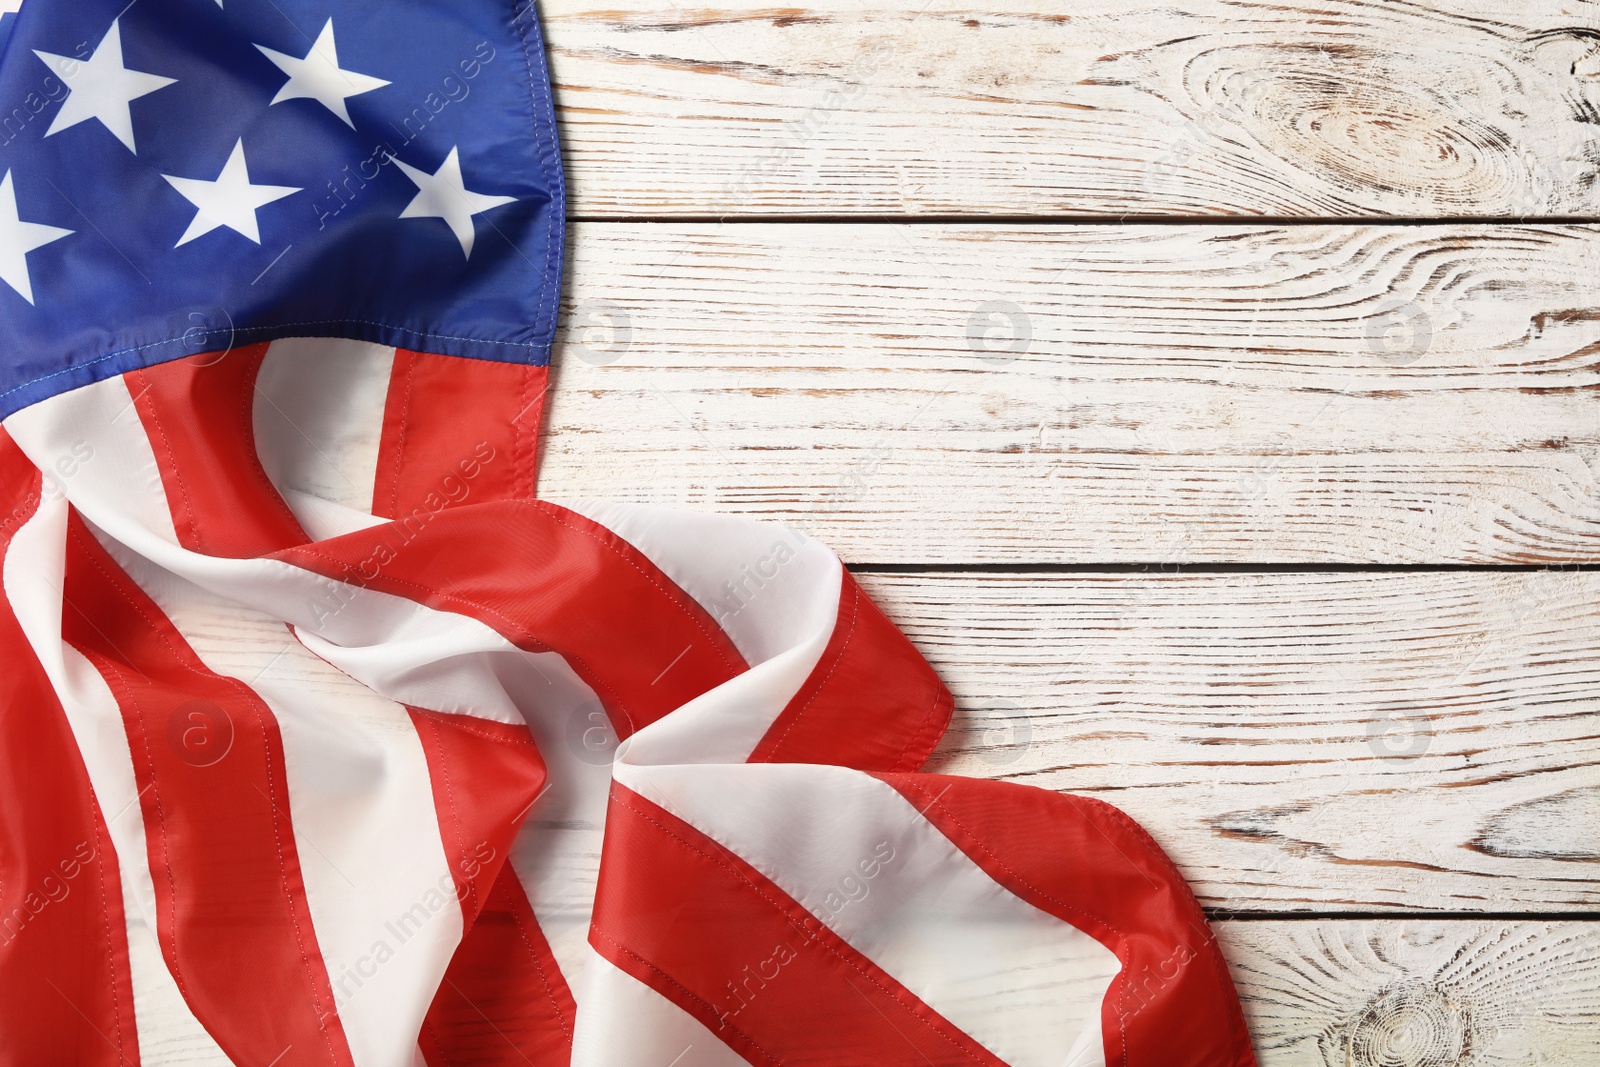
1105 107
1194 393
1418 994
1341 742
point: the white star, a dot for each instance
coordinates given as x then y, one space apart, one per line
229 201
319 77
10 7
444 195
18 238
101 88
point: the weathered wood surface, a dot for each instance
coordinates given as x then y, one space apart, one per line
1297 742
1300 108
1425 394
1390 993
1418 994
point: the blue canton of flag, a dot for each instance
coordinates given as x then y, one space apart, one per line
183 176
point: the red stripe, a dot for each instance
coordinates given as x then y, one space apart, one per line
872 702
199 417
485 777
66 995
456 432
547 579
459 429
1090 865
231 914
703 928
503 1002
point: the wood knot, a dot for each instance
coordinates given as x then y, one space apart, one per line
1351 114
1409 1025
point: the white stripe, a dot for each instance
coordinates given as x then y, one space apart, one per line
1020 981
377 880
556 856
319 417
778 602
624 1023
403 649
1089 1050
770 587
33 573
322 519
726 724
93 444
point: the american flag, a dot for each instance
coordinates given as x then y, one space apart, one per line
324 741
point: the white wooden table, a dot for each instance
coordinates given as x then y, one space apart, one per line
1211 389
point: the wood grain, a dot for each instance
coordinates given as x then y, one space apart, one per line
1106 107
1418 994
1297 742
1309 394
